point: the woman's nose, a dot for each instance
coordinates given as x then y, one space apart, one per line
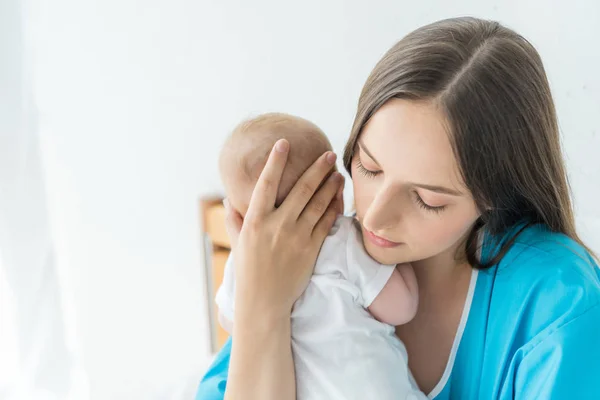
384 213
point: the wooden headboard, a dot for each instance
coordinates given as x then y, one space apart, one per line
216 250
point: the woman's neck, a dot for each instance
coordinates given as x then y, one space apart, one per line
442 272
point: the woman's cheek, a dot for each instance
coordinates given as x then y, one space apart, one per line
449 231
360 198
364 192
440 234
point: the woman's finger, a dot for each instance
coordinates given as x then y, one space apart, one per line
307 185
265 192
339 198
233 223
321 201
325 224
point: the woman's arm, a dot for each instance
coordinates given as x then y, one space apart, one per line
261 365
275 254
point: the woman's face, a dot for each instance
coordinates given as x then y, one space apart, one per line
410 198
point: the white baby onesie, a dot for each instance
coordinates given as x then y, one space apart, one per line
340 351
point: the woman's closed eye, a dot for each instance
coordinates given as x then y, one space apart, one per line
427 207
365 171
369 173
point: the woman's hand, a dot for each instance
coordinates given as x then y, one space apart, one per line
276 248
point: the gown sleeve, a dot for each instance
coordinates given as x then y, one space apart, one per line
565 364
212 386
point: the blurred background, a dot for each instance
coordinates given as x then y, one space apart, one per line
112 114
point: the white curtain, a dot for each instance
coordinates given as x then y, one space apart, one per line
35 359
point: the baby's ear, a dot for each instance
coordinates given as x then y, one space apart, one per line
233 223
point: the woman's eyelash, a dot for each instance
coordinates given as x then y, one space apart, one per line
371 174
426 206
366 172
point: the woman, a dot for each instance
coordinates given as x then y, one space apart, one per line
456 165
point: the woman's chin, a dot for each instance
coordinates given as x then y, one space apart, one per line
389 256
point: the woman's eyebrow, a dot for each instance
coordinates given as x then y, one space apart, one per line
438 189
364 148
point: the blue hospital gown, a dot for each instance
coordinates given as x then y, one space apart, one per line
532 330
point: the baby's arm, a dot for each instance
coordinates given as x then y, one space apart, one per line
397 302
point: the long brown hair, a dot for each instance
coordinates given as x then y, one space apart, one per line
491 85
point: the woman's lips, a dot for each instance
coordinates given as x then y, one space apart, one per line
379 241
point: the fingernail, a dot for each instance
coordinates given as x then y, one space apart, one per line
331 158
282 146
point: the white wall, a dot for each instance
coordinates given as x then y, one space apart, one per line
136 97
38 358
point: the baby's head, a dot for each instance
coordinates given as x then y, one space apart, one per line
245 153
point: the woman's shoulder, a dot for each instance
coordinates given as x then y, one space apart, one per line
549 277
539 253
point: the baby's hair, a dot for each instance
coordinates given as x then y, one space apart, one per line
251 141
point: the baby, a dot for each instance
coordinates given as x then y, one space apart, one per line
343 336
